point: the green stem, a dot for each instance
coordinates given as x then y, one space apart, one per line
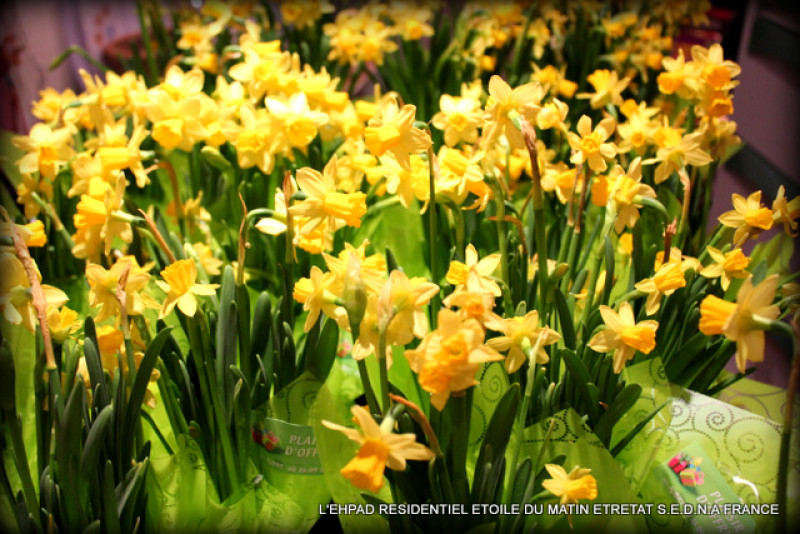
148 47
372 401
432 236
459 449
21 461
503 241
521 418
384 371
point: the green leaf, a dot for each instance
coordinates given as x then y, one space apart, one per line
94 442
622 403
134 403
580 374
565 319
381 231
609 285
494 444
324 353
109 496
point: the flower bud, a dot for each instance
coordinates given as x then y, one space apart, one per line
355 291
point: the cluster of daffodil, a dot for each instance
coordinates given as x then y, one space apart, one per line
556 159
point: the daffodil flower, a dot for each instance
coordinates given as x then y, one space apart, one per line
181 288
624 335
748 217
742 321
666 280
323 202
379 448
590 146
726 266
485 267
571 487
518 335
449 357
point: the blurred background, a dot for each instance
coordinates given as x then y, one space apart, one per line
762 36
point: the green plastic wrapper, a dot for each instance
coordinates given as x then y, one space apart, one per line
572 438
278 496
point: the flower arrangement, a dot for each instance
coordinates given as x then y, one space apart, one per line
291 247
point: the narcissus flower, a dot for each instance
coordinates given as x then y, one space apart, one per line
666 280
519 334
393 130
316 296
677 151
590 145
379 448
323 202
103 288
742 321
459 118
47 150
624 335
748 217
449 357
607 88
727 265
786 212
458 271
181 288
571 487
502 101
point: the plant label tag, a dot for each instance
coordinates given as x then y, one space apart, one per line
287 447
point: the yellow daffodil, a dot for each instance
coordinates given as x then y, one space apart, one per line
502 101
371 268
677 257
571 487
103 288
315 294
459 118
739 321
676 152
726 266
181 288
393 130
786 212
666 280
590 145
627 193
48 150
323 202
748 217
607 88
624 335
206 257
458 271
471 299
295 121
379 448
408 299
449 357
519 334
62 323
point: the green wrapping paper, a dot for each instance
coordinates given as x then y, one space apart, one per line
743 446
572 438
273 500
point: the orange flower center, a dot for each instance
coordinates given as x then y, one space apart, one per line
735 261
714 314
365 471
640 338
759 218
